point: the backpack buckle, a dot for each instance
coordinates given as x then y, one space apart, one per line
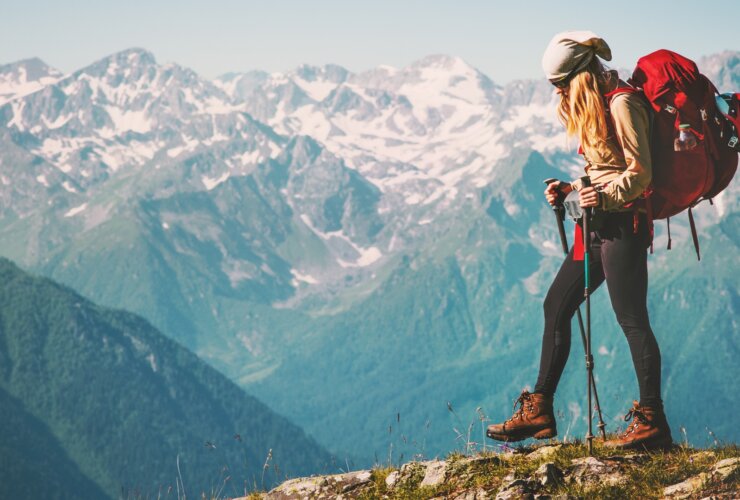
703 114
733 141
670 109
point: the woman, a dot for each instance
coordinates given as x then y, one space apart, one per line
614 136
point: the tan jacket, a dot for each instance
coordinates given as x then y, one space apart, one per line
623 163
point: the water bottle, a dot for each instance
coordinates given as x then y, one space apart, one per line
686 139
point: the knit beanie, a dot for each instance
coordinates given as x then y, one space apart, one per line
571 51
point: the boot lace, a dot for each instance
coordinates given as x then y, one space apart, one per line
637 417
524 401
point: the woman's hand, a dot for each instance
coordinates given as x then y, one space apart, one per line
588 197
552 192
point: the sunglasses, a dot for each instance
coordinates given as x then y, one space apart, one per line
564 82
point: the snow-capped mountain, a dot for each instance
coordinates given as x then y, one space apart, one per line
25 77
421 133
124 112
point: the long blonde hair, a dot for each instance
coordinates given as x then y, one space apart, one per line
581 107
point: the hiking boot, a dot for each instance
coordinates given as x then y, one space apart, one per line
648 431
534 418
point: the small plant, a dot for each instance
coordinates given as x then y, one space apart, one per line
469 445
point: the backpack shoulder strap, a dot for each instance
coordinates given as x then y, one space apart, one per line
620 90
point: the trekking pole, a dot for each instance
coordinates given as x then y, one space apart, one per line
586 181
559 211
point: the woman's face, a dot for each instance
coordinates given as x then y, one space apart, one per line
562 91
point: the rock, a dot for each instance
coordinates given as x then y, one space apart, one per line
297 488
686 488
320 487
724 468
468 467
412 472
350 481
703 455
392 479
548 474
634 458
519 489
434 473
511 476
591 471
719 473
472 494
476 462
545 451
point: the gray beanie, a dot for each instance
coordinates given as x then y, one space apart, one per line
571 51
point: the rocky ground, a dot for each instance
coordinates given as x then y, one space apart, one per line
550 471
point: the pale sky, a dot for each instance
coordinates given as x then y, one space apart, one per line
504 40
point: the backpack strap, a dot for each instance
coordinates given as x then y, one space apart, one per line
668 223
620 90
693 234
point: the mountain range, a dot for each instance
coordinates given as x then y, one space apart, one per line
367 253
98 404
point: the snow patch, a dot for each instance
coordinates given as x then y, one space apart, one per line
190 145
152 361
58 123
250 157
531 284
511 208
76 210
549 245
123 121
367 257
318 90
211 183
306 278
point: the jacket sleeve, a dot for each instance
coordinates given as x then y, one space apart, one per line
632 128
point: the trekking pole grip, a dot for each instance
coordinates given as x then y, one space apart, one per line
559 210
559 188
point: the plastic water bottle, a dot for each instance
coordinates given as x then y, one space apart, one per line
686 139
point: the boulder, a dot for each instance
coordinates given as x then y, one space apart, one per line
720 473
518 489
434 473
320 487
590 471
548 474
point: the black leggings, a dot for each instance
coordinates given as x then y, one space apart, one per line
619 256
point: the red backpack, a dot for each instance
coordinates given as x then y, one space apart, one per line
680 95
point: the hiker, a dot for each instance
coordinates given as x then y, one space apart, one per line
614 139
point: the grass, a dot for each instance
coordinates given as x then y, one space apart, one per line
489 471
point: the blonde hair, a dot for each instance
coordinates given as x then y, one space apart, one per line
581 107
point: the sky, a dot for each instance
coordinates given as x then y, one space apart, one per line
504 40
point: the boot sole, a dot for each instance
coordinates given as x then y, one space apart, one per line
512 438
655 444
